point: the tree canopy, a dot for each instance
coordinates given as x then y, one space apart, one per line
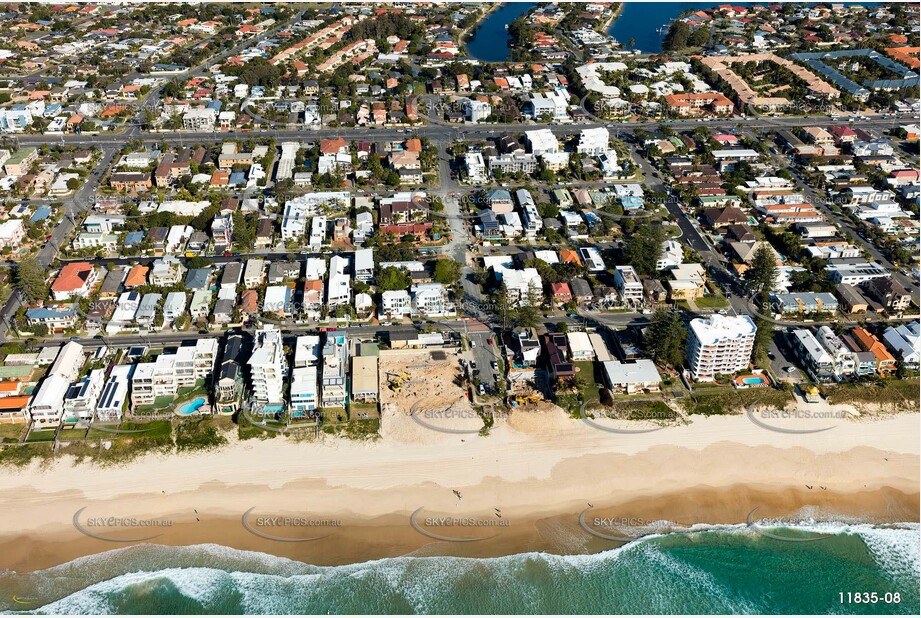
664 341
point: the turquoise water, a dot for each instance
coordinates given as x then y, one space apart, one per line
192 407
722 570
490 41
753 380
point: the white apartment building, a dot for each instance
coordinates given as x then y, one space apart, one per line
174 306
294 219
719 345
11 233
533 223
629 285
335 362
69 361
317 233
111 404
593 142
268 367
514 163
843 359
82 397
364 264
305 396
475 111
199 120
170 372
672 255
254 272
339 290
431 299
395 304
47 404
306 351
541 142
299 209
476 167
553 104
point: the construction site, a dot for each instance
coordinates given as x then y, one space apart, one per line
430 384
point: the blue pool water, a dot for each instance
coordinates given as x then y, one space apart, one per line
191 407
753 380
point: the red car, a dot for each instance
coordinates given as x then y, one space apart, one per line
489 341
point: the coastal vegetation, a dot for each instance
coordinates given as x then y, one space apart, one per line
895 392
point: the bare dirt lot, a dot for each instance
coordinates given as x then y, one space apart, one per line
434 393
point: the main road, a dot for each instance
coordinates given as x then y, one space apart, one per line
433 132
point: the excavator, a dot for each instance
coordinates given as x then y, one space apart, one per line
523 399
397 380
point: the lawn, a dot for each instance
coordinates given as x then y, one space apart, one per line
586 389
43 435
363 411
11 432
160 403
76 433
248 431
712 301
331 416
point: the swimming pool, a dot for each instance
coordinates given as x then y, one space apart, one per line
753 380
191 407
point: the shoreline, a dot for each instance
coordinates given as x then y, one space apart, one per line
539 471
462 35
615 14
359 544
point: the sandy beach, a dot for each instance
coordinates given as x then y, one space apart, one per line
536 471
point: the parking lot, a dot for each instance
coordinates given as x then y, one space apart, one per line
486 357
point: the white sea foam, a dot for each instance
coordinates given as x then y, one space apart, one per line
267 583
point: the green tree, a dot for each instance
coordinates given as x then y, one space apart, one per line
447 271
761 278
664 341
763 334
30 278
643 248
699 37
528 313
501 305
244 232
677 37
392 278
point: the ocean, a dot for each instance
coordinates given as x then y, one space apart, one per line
715 570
